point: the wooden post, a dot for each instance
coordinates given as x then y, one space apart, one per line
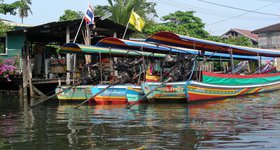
115 34
20 93
277 63
115 74
231 61
29 70
221 63
68 57
24 72
87 41
101 68
259 63
111 63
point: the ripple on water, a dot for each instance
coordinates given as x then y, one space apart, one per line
249 122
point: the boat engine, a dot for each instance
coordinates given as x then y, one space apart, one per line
127 68
90 73
169 61
179 66
175 73
187 63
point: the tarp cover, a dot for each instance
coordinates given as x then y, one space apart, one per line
169 38
229 79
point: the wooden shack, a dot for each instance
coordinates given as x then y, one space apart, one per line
22 45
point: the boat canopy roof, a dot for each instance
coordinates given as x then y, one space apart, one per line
86 49
169 38
162 48
145 46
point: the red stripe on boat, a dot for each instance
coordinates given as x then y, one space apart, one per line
239 76
199 97
107 101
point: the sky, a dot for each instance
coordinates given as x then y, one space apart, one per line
218 19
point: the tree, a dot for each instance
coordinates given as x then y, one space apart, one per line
242 40
101 10
3 29
121 10
71 15
24 8
184 23
8 8
5 9
179 22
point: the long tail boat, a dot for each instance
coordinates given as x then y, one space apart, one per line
216 86
77 93
173 91
212 85
198 91
117 94
169 93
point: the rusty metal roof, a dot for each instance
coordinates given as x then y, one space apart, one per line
56 31
271 28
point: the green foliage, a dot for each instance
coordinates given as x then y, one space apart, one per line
179 22
121 10
8 8
3 29
101 10
242 41
184 23
24 8
71 15
2 46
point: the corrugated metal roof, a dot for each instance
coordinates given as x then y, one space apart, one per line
271 28
246 33
56 31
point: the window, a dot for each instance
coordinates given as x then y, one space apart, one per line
3 46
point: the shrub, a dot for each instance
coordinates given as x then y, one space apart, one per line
7 67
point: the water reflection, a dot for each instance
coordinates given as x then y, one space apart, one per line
237 123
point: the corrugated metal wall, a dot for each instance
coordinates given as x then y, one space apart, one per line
270 40
13 46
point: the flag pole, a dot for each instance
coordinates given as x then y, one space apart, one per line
80 26
125 29
127 24
79 29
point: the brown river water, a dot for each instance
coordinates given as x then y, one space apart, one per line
249 122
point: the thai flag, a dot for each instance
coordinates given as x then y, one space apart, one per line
89 16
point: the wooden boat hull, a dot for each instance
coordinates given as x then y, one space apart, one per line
116 94
194 91
171 92
198 91
135 95
76 93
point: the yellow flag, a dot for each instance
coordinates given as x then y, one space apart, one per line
137 21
